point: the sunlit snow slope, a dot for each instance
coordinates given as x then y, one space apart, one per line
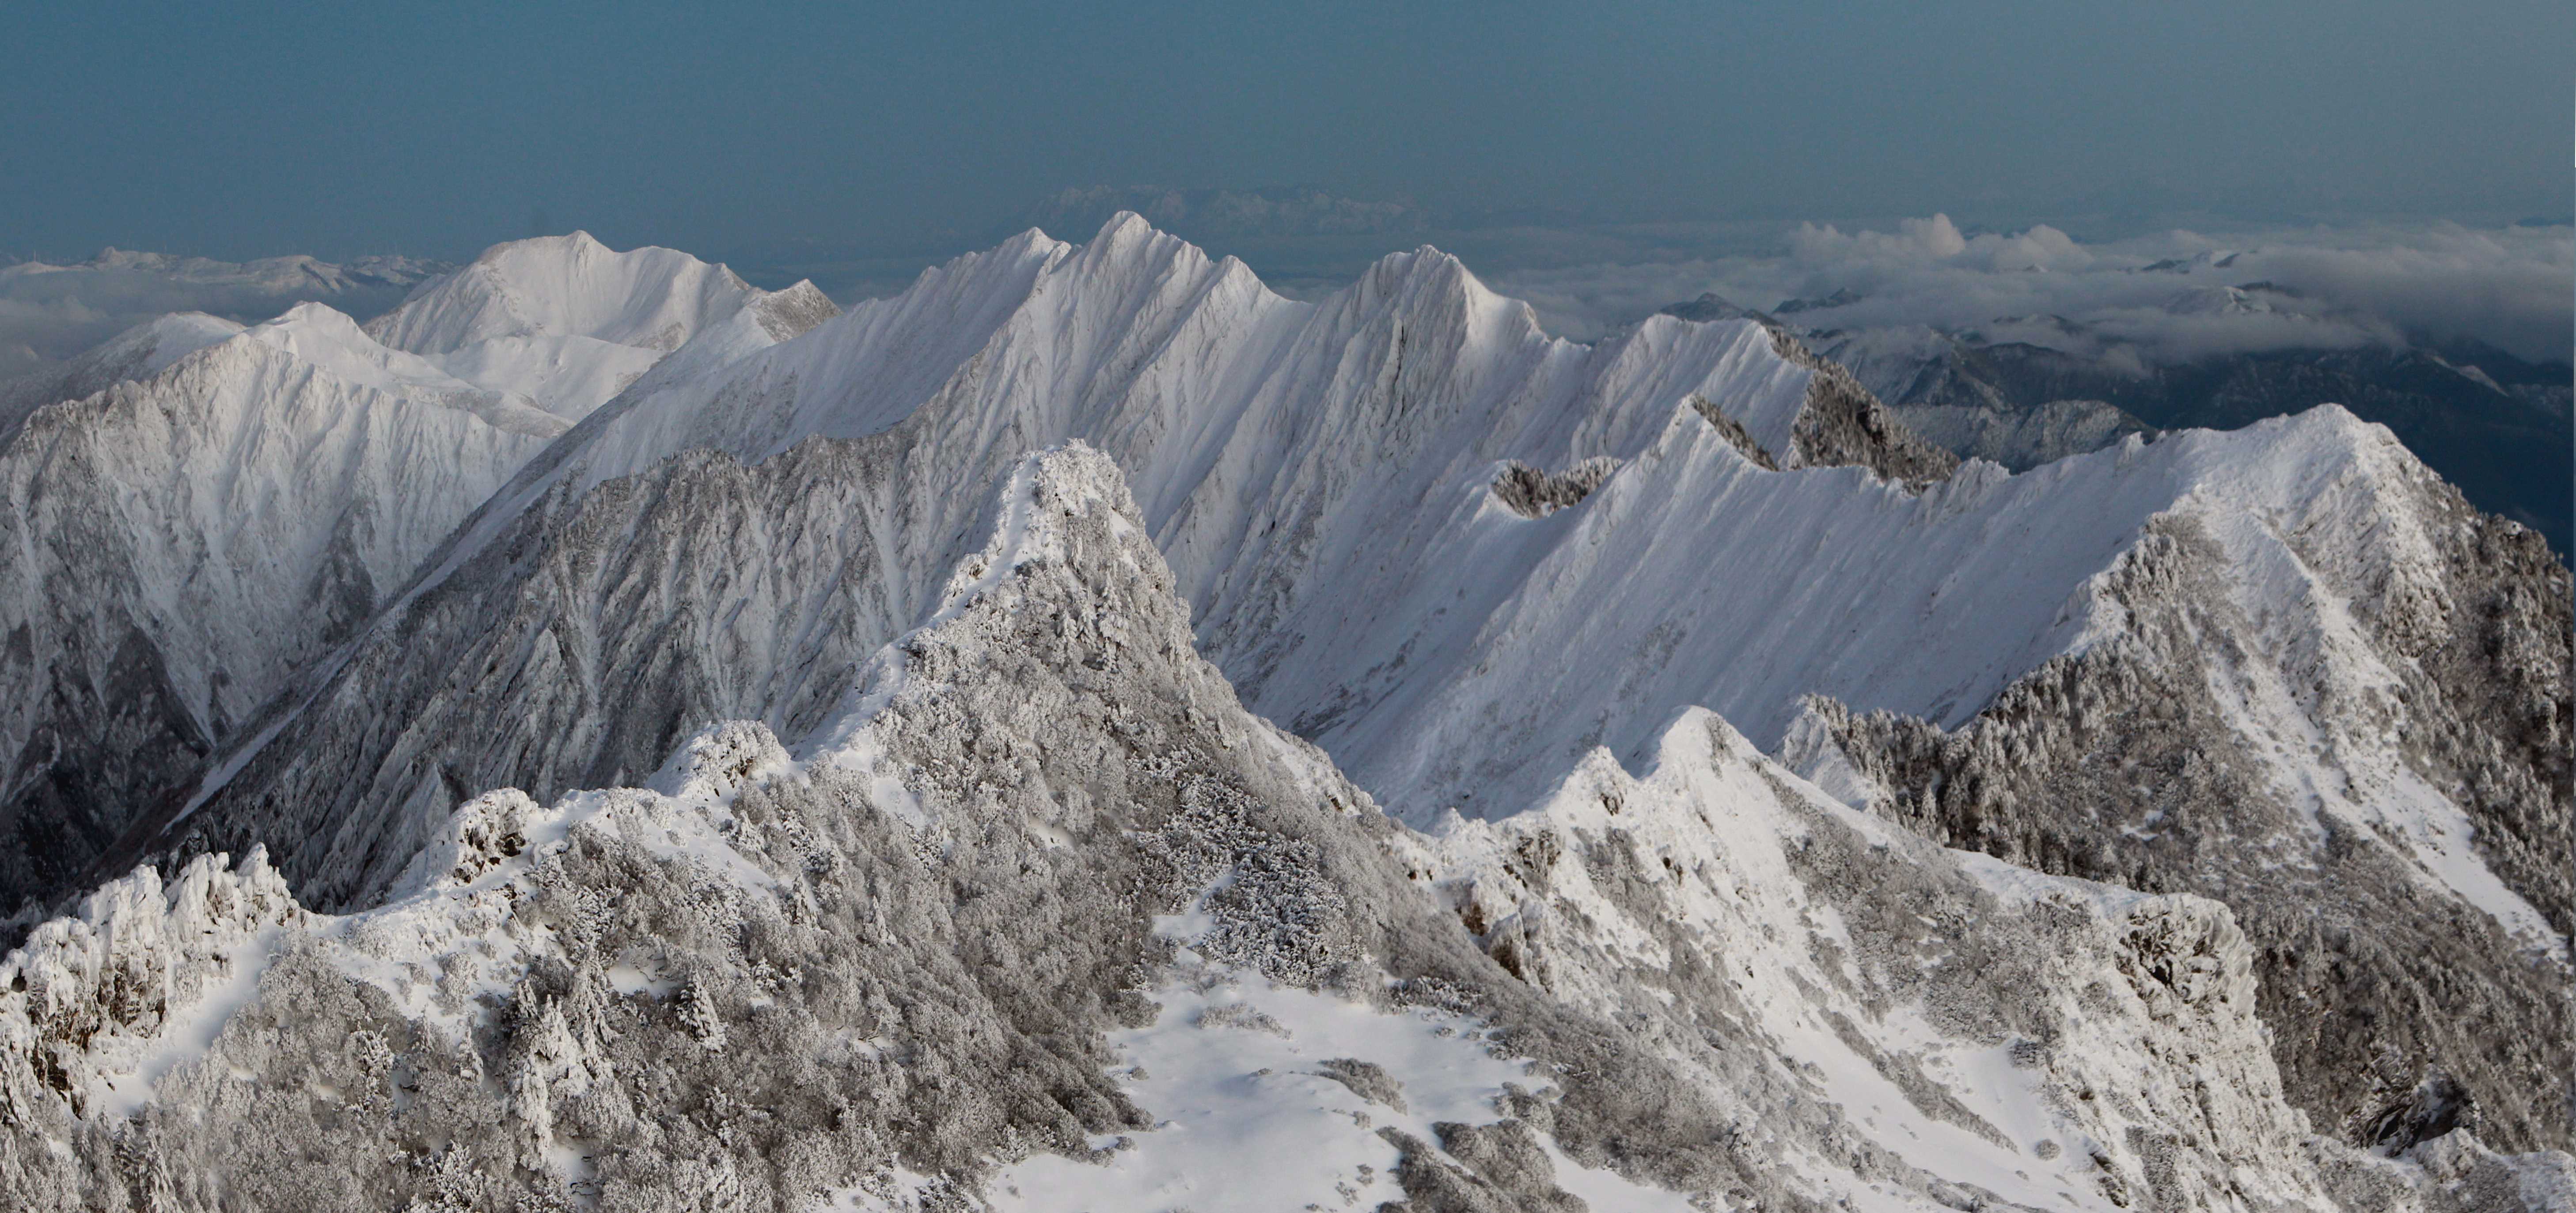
569 322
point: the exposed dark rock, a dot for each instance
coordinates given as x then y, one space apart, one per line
1734 432
1843 424
1532 493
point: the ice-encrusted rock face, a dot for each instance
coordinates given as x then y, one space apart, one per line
2018 1036
2348 720
94 1008
915 962
1841 423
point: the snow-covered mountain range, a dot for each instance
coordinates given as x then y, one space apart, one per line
1601 674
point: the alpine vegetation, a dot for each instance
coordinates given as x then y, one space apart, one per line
1089 732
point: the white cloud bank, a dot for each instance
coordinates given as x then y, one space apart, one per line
2165 295
52 312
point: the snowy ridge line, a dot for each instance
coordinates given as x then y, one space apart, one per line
178 545
1009 271
572 323
935 300
140 352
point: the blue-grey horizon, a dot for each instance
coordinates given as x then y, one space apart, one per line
373 127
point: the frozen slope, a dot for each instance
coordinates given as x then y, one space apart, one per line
569 322
1042 918
1459 554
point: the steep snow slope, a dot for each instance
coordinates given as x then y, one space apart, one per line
1042 913
175 546
1458 553
569 322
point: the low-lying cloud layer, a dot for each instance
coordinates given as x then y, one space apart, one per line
52 312
2166 296
2169 297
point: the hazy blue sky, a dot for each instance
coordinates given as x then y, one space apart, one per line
239 130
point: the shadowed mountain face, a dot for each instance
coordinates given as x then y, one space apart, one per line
1560 637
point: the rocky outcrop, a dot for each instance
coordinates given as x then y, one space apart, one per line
1842 424
2437 758
1734 432
1532 493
